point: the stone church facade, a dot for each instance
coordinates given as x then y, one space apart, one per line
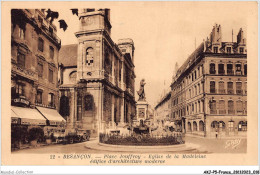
97 77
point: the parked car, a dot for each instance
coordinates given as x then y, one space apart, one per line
74 137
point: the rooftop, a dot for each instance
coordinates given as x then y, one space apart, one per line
68 55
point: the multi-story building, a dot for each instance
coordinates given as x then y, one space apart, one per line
209 91
97 76
162 110
34 69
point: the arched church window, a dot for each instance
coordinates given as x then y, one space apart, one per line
89 102
89 56
73 76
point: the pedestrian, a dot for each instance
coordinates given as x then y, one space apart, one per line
216 132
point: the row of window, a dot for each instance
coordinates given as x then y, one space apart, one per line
192 77
51 98
228 50
229 69
221 70
220 126
221 90
40 69
195 126
19 90
41 48
40 42
239 108
196 107
193 91
21 62
196 89
230 88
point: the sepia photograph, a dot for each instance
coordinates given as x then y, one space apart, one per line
130 83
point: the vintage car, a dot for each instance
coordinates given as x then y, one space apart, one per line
75 137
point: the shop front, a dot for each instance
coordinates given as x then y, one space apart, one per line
26 126
56 124
226 126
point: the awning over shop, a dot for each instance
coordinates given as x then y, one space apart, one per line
14 117
52 115
13 114
28 116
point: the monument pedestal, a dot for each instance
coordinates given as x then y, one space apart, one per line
142 110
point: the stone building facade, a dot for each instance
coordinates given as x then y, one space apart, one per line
97 76
209 91
34 69
162 110
35 48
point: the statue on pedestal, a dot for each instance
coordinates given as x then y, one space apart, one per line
141 91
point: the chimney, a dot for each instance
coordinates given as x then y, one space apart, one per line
216 34
240 37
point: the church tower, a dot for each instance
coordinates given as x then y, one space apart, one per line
94 27
105 78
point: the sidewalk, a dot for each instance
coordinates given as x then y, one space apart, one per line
182 148
219 137
28 146
219 145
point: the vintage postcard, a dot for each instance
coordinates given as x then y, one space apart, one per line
129 83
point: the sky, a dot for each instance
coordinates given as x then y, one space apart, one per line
163 33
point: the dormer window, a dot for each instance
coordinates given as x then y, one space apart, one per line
229 50
241 50
215 49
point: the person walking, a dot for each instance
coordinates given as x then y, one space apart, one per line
216 133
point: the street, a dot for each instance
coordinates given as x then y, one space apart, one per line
204 146
227 145
69 148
